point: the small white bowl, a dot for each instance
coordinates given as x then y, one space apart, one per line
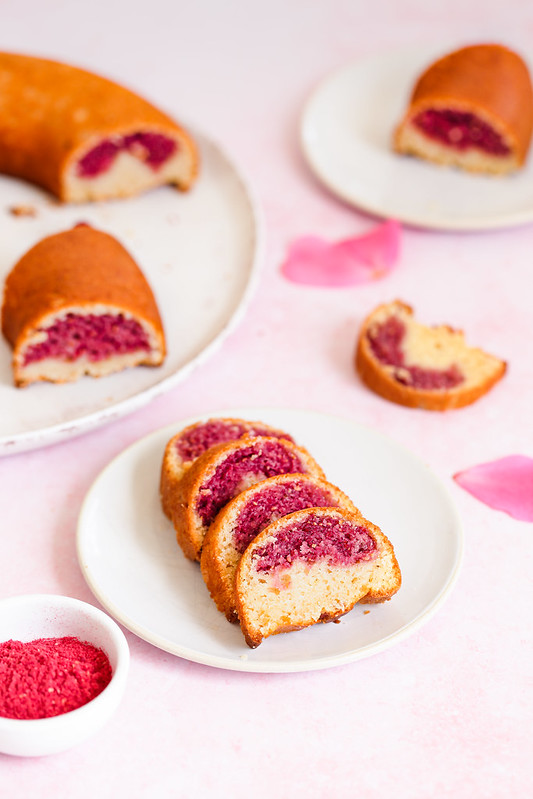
27 618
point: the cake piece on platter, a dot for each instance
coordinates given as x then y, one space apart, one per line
419 366
83 137
77 303
471 109
312 566
243 518
224 471
191 442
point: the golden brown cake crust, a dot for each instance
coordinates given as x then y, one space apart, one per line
380 380
489 80
79 267
50 112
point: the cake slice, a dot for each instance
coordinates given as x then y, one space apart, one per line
421 367
243 518
187 445
83 137
224 471
312 566
471 109
77 303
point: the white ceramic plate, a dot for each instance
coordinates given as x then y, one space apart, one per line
200 252
130 559
346 136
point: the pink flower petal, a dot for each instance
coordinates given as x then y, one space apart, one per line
505 484
315 262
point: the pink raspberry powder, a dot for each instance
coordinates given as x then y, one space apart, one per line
50 676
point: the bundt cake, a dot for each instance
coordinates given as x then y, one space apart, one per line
421 367
472 109
312 566
83 137
77 303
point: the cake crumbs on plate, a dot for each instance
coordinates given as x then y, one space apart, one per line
22 210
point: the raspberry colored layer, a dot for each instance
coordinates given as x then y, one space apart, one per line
217 431
152 148
460 130
386 344
258 461
336 540
274 502
93 336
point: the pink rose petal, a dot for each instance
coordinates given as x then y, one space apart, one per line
315 262
505 484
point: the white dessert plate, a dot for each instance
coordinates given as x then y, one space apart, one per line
200 251
346 135
130 559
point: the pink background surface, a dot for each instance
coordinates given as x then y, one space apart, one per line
448 711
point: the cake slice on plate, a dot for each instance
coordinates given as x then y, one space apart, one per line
471 109
77 303
243 518
312 566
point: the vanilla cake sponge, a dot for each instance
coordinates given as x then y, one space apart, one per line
83 137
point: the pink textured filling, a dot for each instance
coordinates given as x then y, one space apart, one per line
274 502
152 148
92 336
258 461
336 540
217 431
460 130
386 344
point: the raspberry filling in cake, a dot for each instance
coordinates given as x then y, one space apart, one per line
273 503
153 149
242 469
217 431
338 541
94 336
386 344
460 130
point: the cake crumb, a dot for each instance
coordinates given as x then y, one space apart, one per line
22 210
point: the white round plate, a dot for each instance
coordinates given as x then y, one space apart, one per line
200 252
346 135
130 559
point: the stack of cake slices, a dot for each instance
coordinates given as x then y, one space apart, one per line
280 548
